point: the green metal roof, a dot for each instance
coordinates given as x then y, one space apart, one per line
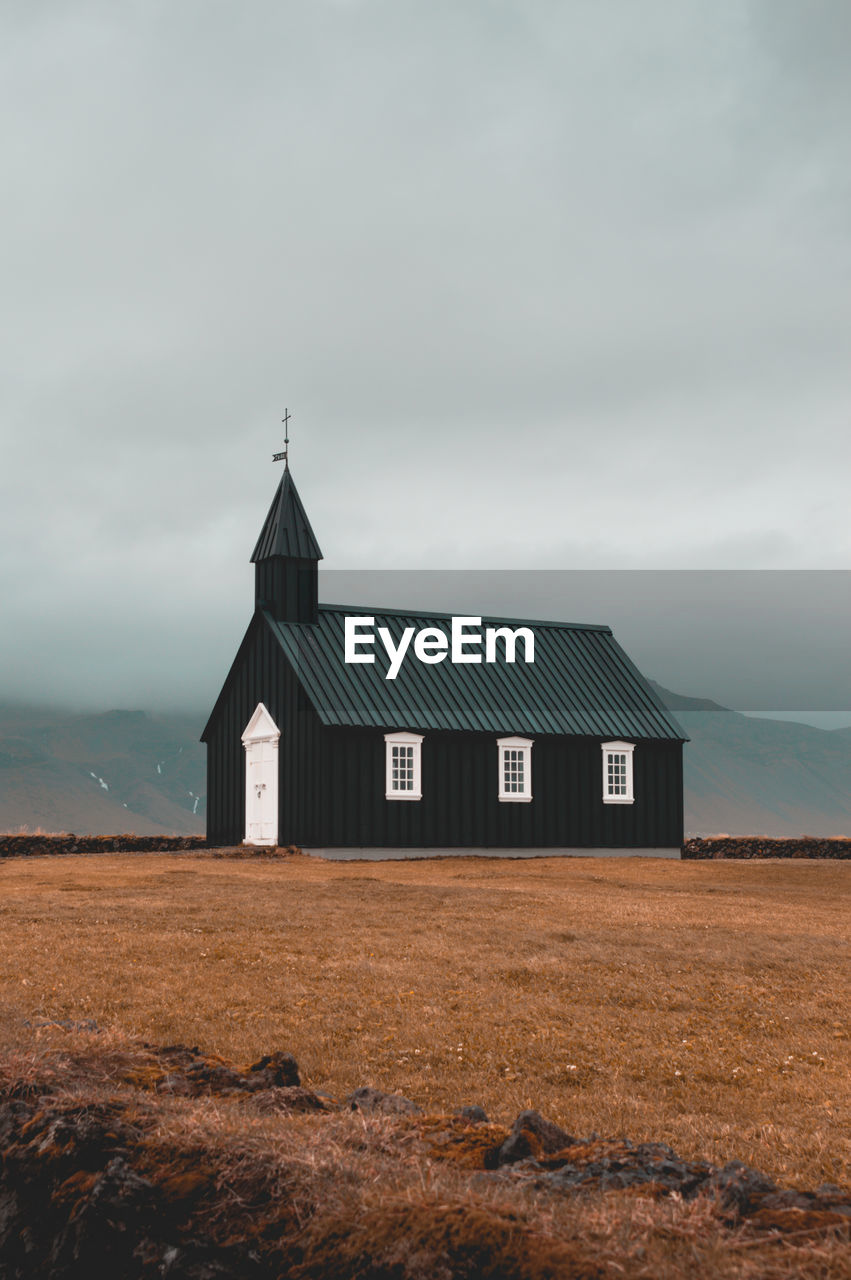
286 531
581 682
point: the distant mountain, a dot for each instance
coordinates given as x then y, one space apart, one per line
678 702
101 774
749 776
123 771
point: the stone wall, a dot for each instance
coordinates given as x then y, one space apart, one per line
767 847
699 847
33 846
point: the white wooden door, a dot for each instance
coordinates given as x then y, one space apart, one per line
261 761
260 740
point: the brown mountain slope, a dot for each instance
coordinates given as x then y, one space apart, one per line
743 775
98 774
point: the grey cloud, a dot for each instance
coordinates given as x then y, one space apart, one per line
549 285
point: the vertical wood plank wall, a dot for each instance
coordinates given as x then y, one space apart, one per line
460 804
262 676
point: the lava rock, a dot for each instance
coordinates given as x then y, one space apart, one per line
106 1227
740 1188
616 1165
391 1104
532 1136
274 1071
191 1073
204 1260
291 1098
473 1115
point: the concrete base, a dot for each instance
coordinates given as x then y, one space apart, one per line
389 855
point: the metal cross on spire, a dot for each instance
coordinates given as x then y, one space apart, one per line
282 457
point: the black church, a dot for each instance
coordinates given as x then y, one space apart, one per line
465 749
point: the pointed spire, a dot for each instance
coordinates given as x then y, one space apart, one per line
287 530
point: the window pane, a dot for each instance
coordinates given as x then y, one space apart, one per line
401 768
616 773
513 771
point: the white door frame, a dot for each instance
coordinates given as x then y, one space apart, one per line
260 740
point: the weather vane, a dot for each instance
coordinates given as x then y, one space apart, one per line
282 457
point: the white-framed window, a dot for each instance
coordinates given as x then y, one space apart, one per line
515 768
617 773
404 766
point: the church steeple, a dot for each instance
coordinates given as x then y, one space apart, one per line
286 558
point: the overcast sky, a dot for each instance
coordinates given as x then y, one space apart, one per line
544 285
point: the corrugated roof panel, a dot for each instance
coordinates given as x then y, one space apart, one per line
581 682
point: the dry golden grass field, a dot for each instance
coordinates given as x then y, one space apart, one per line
704 1004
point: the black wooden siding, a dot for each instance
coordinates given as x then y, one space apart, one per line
332 780
460 787
259 675
287 588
